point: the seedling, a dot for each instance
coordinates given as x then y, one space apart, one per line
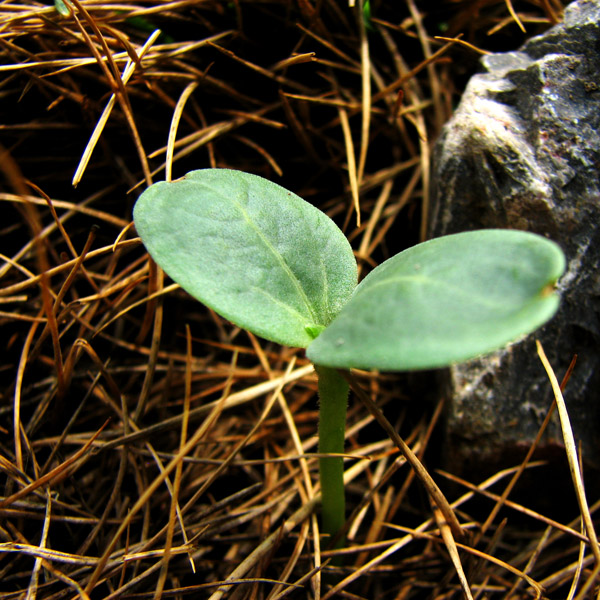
273 264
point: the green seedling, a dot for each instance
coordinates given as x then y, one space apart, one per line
273 264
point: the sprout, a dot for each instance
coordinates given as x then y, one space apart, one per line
272 263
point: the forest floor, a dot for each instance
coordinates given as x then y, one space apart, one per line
110 368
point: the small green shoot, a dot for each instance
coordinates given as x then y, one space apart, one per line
61 8
275 265
366 16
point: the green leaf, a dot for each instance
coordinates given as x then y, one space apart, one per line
251 250
445 301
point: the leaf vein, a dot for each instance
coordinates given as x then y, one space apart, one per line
279 258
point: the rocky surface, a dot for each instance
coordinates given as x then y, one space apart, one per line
523 151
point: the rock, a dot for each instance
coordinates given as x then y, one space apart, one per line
522 151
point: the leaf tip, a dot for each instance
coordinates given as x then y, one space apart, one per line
549 289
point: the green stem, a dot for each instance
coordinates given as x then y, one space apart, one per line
333 394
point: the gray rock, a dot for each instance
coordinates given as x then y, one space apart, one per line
523 152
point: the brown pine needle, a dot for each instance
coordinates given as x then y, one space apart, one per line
187 92
572 457
365 64
452 548
514 15
432 488
351 161
60 470
127 73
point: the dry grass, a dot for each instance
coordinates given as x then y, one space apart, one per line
148 448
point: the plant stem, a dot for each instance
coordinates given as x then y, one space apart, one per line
333 394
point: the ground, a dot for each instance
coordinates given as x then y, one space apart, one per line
110 369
